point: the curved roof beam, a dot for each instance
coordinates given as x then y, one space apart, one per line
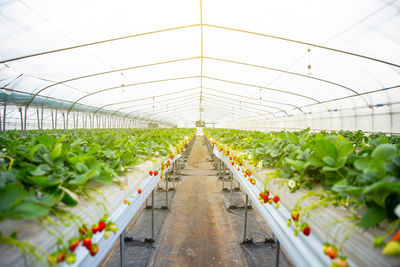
146 98
174 101
305 43
256 104
262 87
106 72
284 71
235 105
249 97
96 43
129 85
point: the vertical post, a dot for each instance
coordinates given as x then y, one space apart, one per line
1 124
166 189
25 118
245 219
22 120
55 122
38 119
152 215
230 194
63 115
223 178
4 117
278 246
52 121
173 172
122 248
41 120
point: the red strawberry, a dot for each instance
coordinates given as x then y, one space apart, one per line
87 243
331 252
276 199
139 191
155 173
306 231
151 173
102 226
233 163
95 228
60 256
396 237
94 249
73 243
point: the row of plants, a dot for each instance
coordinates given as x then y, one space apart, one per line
41 175
358 171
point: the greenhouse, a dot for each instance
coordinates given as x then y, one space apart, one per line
200 133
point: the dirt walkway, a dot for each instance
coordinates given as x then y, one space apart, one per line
198 230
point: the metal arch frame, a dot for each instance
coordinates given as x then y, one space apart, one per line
249 97
211 97
146 98
283 71
243 101
161 101
107 72
261 87
129 85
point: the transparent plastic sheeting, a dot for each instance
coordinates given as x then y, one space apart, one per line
256 63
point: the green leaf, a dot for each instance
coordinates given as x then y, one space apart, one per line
384 152
28 210
329 160
362 164
41 170
373 217
325 148
83 178
81 167
11 195
56 152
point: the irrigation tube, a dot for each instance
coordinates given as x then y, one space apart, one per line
303 250
121 217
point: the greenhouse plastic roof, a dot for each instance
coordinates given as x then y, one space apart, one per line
180 61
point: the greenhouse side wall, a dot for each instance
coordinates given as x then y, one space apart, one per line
384 119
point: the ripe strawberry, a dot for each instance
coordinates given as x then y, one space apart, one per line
73 243
238 169
95 228
396 237
332 252
306 231
102 226
125 202
151 173
155 173
70 258
107 234
93 251
60 256
276 199
139 191
87 243
233 163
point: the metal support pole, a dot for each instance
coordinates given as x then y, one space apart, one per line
22 119
4 117
173 172
223 178
278 246
230 194
52 121
55 122
245 219
25 118
166 189
41 120
152 215
122 248
38 119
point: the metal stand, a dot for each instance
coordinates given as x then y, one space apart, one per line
245 240
278 245
166 191
230 193
122 248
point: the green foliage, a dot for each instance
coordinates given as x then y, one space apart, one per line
51 169
349 165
